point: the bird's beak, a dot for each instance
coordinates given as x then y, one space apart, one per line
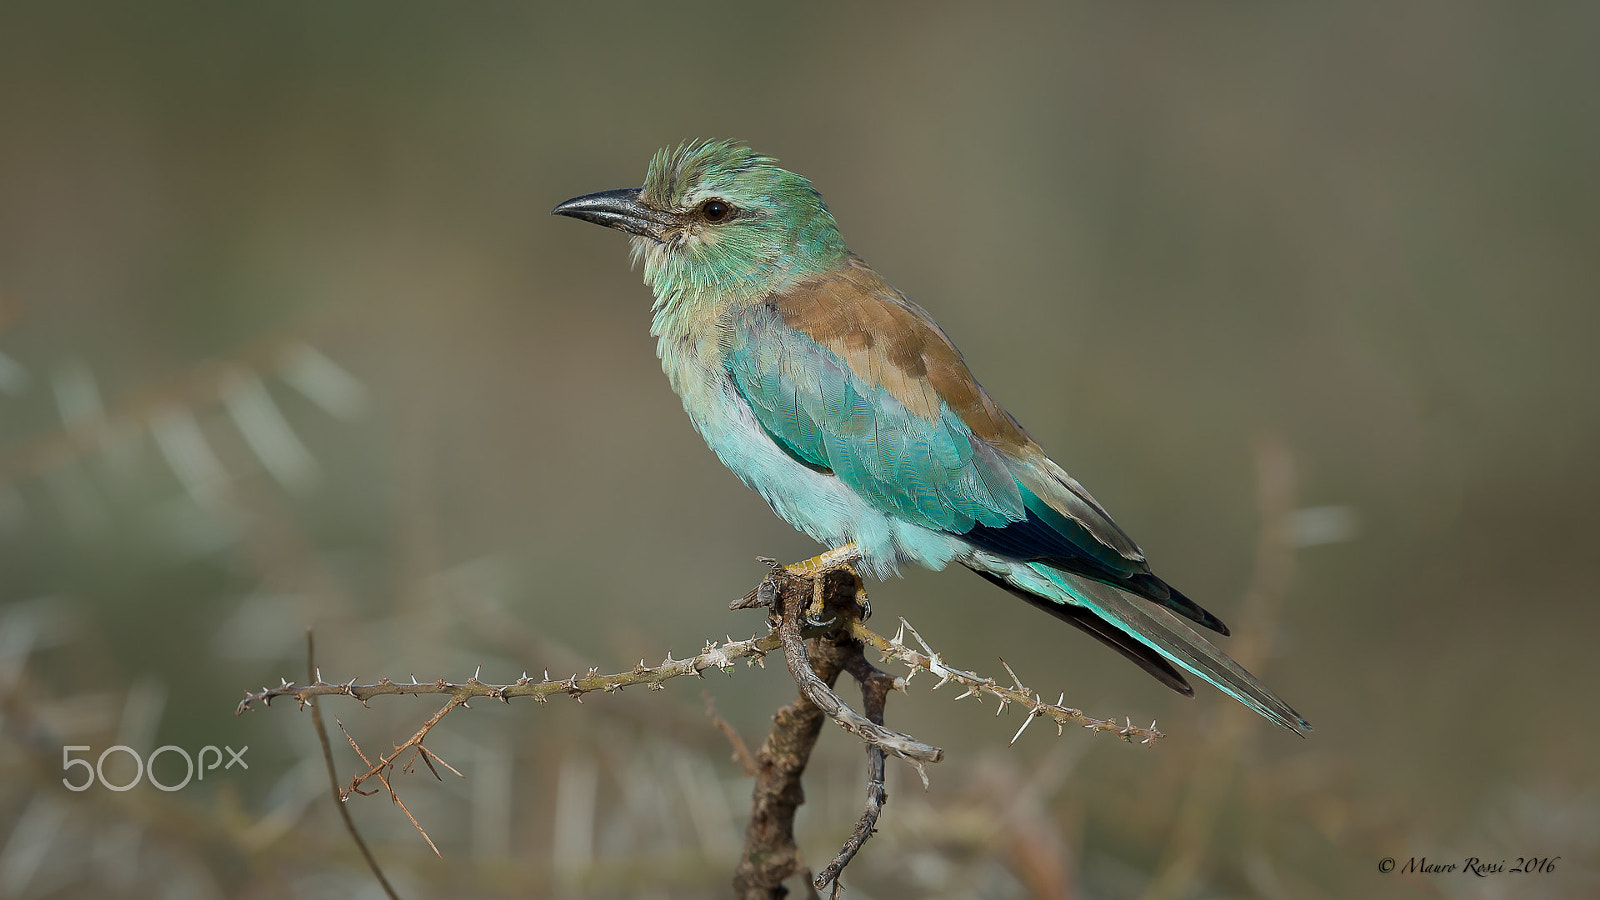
618 209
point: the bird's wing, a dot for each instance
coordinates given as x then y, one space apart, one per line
848 375
929 470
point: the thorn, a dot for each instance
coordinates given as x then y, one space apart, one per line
1032 714
1015 681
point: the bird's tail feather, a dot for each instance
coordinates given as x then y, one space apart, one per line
1175 641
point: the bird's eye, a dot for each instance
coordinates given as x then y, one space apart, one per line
715 210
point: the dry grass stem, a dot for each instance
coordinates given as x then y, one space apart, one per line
741 751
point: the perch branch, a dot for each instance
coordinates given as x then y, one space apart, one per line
815 611
794 595
712 656
820 694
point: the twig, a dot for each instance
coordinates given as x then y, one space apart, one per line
977 685
412 743
875 687
712 656
741 752
333 775
387 762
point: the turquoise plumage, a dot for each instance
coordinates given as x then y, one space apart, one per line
847 408
924 470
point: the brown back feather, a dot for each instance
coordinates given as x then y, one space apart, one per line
886 339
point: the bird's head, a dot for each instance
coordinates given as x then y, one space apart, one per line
716 219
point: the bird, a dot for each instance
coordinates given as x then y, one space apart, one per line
850 411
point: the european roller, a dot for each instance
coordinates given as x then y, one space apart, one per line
847 408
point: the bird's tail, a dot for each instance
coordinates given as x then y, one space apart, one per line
1138 626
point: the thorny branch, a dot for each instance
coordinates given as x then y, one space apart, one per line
376 769
978 685
815 617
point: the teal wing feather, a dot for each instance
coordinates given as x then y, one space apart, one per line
929 471
935 472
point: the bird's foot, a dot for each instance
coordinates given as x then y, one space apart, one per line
834 583
823 563
833 573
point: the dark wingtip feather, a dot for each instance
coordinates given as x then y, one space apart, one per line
1152 588
1108 634
1129 624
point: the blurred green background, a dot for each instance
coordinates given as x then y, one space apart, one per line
287 338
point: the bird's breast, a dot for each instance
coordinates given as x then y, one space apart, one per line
813 501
